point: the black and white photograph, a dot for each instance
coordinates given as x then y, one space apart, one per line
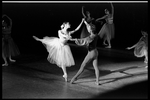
74 49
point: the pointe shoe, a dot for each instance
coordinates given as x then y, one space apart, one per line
12 60
108 47
65 76
72 80
5 64
104 43
97 83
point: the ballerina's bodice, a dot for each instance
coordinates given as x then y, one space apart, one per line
109 19
62 38
6 30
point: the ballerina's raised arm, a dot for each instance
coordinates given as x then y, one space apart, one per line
71 32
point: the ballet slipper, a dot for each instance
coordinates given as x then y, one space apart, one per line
108 47
72 80
104 43
97 83
6 64
12 60
65 76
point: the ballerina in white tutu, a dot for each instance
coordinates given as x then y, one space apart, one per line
59 52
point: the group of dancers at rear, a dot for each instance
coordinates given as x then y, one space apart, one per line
60 53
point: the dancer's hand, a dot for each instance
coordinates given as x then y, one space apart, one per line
73 39
69 37
77 42
83 19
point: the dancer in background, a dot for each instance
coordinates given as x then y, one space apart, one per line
91 43
88 19
9 48
141 47
59 52
107 30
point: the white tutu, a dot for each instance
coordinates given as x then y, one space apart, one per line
59 53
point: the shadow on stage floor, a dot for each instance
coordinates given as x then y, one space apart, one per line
133 91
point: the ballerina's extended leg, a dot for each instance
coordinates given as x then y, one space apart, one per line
36 38
86 60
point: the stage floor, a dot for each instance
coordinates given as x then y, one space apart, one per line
121 76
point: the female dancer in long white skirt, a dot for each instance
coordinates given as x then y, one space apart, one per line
107 30
59 52
9 48
141 47
89 20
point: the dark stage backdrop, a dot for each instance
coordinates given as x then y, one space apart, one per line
44 19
